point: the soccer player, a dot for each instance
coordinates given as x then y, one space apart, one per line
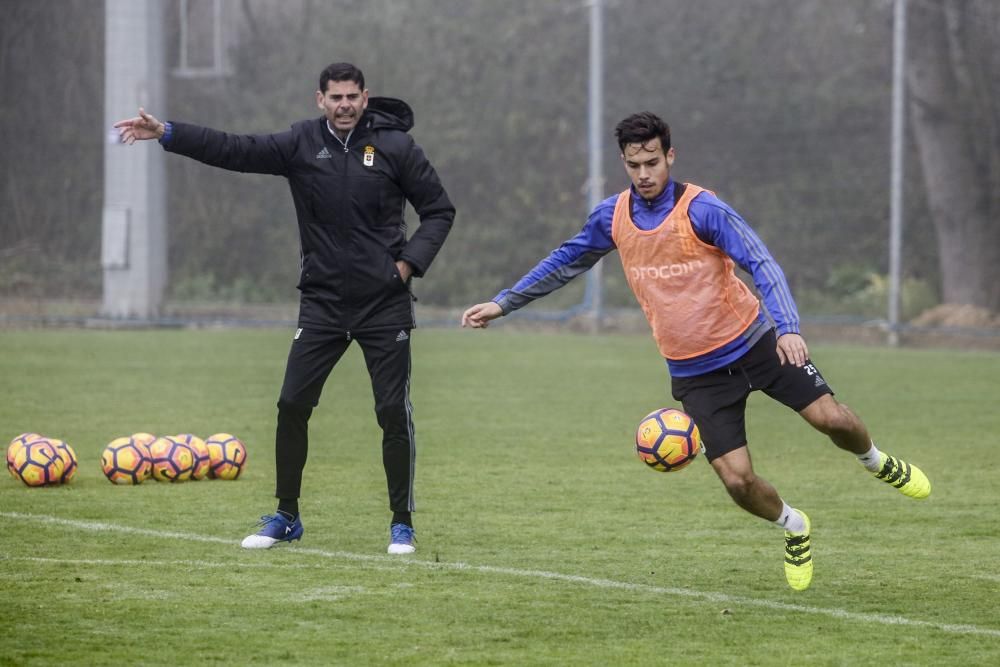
351 172
679 244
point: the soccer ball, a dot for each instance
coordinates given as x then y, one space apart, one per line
126 461
16 444
173 461
37 463
199 450
68 457
145 440
667 440
227 455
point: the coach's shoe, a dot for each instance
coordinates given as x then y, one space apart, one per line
274 528
401 539
798 558
909 479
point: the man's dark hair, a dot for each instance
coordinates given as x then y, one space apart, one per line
642 127
341 72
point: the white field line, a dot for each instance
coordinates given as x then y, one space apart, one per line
395 562
192 564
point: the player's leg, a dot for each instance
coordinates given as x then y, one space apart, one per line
848 432
310 359
752 493
756 495
804 390
387 355
834 419
717 403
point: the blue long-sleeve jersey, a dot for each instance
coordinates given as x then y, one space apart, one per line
715 223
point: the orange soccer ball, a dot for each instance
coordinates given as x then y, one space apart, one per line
37 463
126 461
173 460
667 440
227 455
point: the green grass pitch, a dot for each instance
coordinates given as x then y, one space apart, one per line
542 539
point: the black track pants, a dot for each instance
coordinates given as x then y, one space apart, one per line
311 358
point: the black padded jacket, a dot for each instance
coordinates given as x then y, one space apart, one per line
349 202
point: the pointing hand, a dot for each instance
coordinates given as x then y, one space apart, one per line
142 127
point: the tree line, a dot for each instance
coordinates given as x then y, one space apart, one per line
780 106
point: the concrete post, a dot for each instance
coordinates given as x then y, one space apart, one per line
134 238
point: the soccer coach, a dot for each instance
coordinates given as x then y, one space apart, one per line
351 172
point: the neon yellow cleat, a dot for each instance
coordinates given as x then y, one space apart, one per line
909 479
798 558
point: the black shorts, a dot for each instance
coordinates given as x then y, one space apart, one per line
717 400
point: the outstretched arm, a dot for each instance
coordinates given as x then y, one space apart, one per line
258 154
142 127
569 260
574 257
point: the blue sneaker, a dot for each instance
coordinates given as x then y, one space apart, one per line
402 540
274 528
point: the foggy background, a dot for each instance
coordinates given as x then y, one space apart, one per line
782 107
